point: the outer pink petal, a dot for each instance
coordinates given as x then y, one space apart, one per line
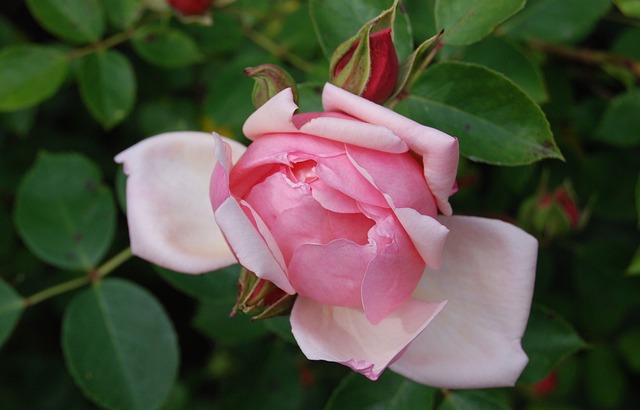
487 276
352 132
252 244
397 175
170 219
274 116
344 335
438 150
427 234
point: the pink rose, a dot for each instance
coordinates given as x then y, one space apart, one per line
341 208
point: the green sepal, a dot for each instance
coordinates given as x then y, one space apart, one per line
270 79
261 298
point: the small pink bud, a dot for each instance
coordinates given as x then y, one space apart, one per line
190 7
371 73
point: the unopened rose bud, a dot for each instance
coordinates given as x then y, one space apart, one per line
270 80
551 214
190 7
546 386
369 67
261 298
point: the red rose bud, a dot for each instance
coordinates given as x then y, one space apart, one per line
261 298
368 68
546 386
190 7
551 214
270 80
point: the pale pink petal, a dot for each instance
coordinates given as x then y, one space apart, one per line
394 272
344 335
427 234
170 219
439 151
274 116
342 264
355 132
247 237
487 276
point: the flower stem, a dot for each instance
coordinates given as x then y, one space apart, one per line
272 47
72 284
588 56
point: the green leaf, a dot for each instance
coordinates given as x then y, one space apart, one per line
213 320
626 44
494 120
473 399
212 286
605 381
634 266
547 340
165 46
507 59
78 21
390 391
11 307
468 21
120 346
63 212
335 21
630 8
565 21
628 345
620 125
123 13
107 85
422 16
29 74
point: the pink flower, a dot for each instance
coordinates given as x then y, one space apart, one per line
341 208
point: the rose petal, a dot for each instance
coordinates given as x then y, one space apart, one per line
266 156
394 272
342 264
170 219
397 175
351 132
344 335
487 276
332 199
248 237
339 173
426 233
438 150
274 116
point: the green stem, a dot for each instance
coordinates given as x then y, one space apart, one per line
588 56
56 290
72 284
274 49
101 45
113 263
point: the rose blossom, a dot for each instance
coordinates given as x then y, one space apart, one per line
341 208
